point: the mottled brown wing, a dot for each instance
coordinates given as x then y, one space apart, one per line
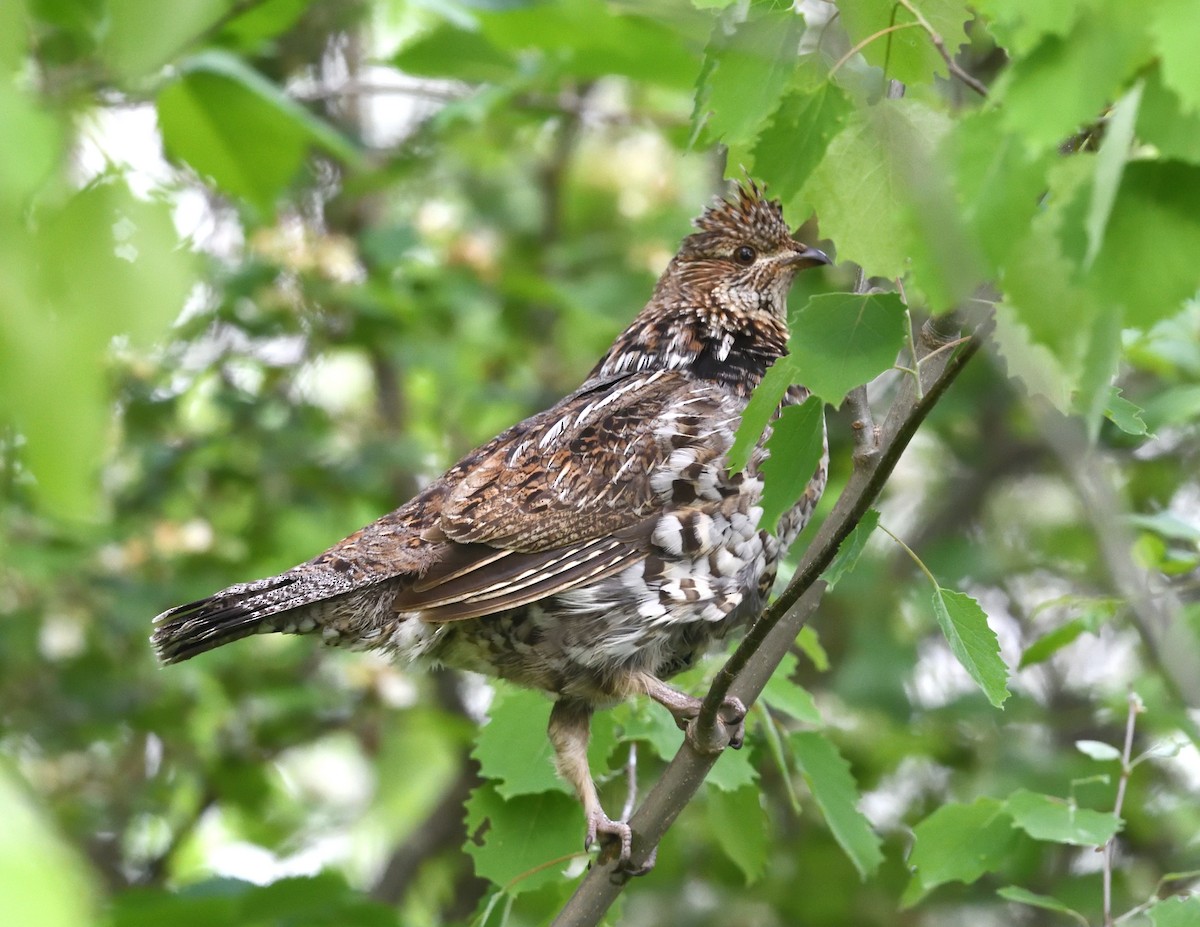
496 580
567 496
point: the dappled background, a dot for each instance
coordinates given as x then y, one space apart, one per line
268 267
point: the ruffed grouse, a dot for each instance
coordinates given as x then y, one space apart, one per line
596 548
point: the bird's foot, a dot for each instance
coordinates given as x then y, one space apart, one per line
617 838
616 834
731 716
685 709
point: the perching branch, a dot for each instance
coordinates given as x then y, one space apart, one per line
771 637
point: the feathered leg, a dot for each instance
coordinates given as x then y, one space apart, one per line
570 725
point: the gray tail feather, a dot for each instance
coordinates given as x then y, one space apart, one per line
239 611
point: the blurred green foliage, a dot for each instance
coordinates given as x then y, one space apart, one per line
269 266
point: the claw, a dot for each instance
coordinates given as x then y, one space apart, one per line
618 847
600 824
732 714
685 709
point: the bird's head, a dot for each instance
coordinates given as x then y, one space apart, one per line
720 307
742 260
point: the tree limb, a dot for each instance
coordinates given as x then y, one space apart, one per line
752 664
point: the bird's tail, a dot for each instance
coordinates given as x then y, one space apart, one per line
272 604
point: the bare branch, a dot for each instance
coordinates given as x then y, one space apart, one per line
940 44
1135 707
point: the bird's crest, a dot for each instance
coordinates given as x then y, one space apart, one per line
746 209
746 215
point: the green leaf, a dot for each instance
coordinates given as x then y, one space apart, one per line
524 842
1041 279
796 446
745 72
141 37
981 152
810 644
966 629
99 265
1024 896
847 556
47 885
1019 25
1174 25
461 54
298 901
513 749
1164 122
1110 165
1175 912
1045 817
1066 81
732 771
1152 228
1101 359
315 900
1049 644
651 724
863 189
1098 750
843 340
26 166
259 22
832 785
763 404
782 694
907 55
231 124
739 823
590 39
1124 414
1166 525
1035 365
1173 406
959 843
793 144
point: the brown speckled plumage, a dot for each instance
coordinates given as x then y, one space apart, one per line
595 548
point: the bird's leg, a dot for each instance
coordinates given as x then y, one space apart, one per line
685 709
570 721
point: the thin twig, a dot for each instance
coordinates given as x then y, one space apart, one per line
858 403
1135 707
940 45
631 789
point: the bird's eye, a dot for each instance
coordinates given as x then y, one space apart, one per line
745 255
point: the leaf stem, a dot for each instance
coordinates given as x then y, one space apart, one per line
859 46
911 553
911 340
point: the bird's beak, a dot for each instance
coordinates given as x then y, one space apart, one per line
806 257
